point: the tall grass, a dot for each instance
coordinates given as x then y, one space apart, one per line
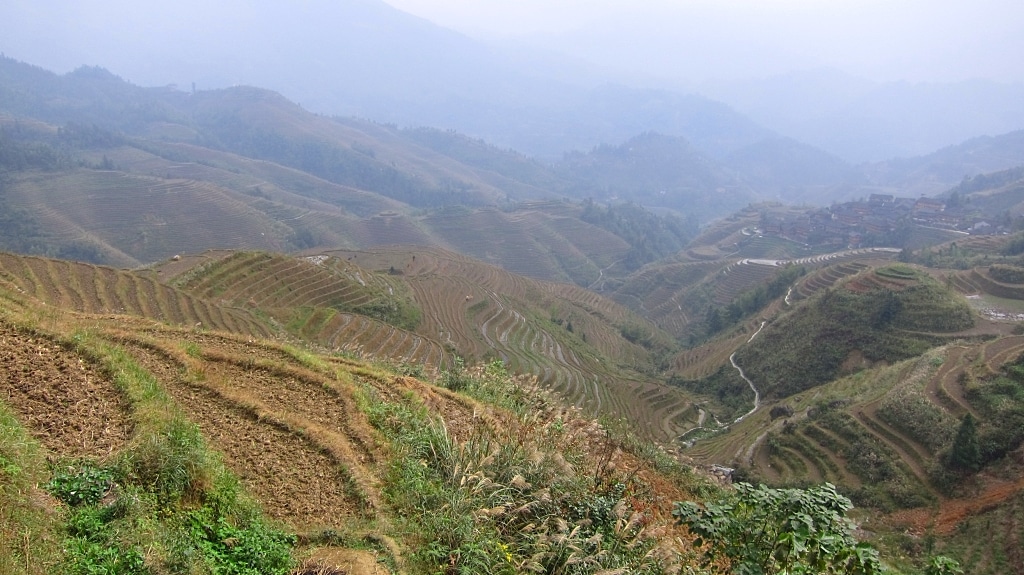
27 525
517 496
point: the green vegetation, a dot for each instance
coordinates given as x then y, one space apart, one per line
166 491
399 312
1000 399
651 237
887 484
1007 274
725 387
27 545
809 346
965 455
751 300
908 409
510 498
764 531
80 483
331 161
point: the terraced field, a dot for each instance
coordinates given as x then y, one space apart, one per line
294 427
316 298
886 426
699 362
660 292
487 312
175 160
826 278
985 283
133 212
101 290
675 295
73 408
529 241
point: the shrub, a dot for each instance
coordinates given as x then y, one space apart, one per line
239 547
775 531
80 483
512 498
1006 274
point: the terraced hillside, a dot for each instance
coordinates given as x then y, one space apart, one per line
889 314
235 452
261 173
322 299
888 430
146 212
126 220
885 436
425 307
259 179
882 433
677 295
539 240
573 340
72 286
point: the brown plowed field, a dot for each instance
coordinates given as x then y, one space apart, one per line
71 407
295 480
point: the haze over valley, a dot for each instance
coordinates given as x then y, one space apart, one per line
457 287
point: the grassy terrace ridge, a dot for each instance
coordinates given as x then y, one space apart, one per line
194 451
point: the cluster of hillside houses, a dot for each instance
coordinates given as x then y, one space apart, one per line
866 222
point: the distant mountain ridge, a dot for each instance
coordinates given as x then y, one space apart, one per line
365 58
864 121
268 158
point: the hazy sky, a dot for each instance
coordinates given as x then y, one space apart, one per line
684 41
917 40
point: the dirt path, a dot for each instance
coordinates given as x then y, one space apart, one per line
953 511
997 353
757 394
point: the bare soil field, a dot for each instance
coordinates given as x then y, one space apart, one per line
71 407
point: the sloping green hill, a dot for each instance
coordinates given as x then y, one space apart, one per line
891 314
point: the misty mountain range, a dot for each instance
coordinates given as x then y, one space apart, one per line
367 59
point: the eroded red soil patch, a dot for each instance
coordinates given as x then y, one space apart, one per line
72 408
953 511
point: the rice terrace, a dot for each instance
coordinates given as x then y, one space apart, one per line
241 337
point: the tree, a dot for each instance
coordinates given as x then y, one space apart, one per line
713 320
888 309
767 531
966 452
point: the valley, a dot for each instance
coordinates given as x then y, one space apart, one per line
422 353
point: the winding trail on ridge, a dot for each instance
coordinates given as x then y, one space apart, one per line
757 394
